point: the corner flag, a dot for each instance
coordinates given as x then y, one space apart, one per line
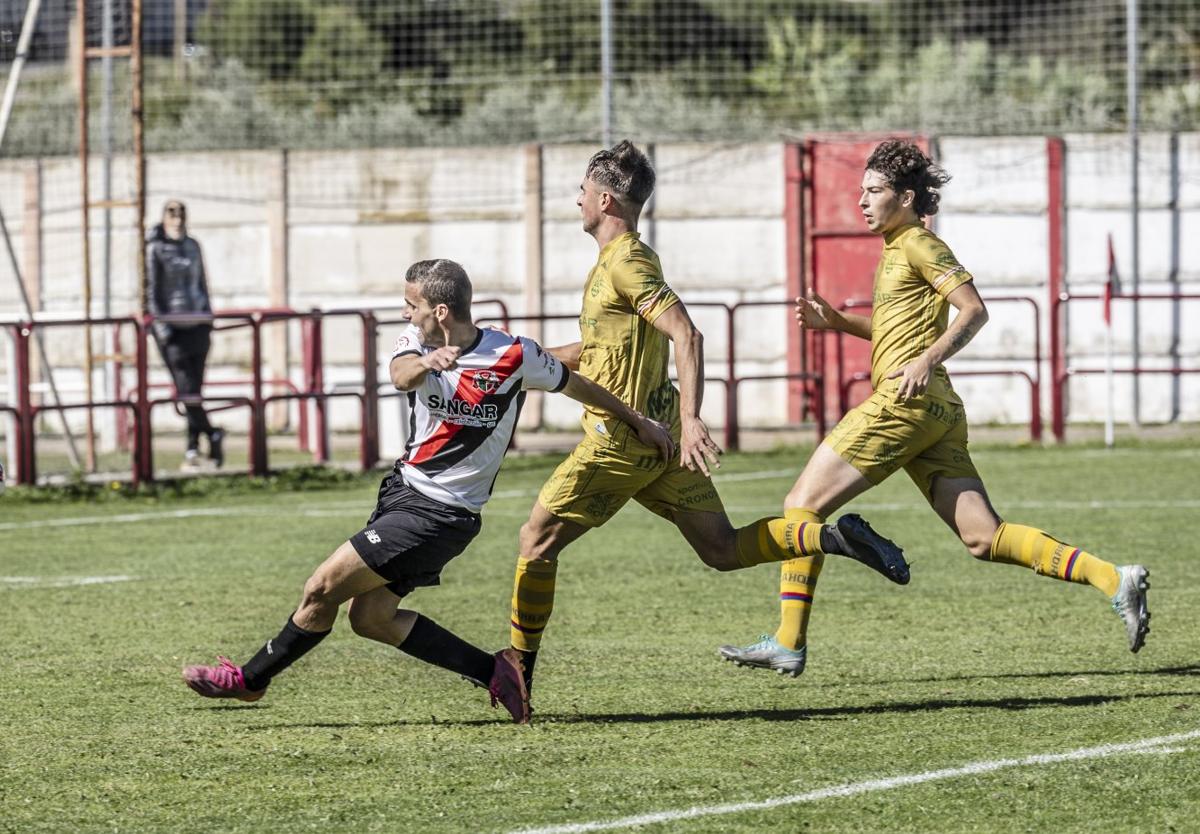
1112 287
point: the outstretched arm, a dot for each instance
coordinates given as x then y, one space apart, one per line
971 316
697 449
582 389
567 354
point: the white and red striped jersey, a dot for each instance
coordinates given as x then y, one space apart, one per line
461 421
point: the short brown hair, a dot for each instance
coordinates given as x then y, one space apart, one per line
443 281
624 170
906 167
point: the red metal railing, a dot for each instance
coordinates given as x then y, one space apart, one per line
302 433
1063 370
141 405
20 413
1034 379
26 412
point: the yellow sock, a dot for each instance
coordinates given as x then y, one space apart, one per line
1016 544
797 584
798 533
532 602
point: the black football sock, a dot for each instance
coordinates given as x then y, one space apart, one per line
430 642
291 644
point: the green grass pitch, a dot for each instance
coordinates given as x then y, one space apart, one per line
970 663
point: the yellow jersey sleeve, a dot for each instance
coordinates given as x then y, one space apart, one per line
640 282
935 263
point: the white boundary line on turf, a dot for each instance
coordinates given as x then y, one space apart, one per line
1159 745
127 518
23 582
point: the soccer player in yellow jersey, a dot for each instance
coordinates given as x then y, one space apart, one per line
629 319
914 420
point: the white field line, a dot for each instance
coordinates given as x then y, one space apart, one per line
1133 451
124 518
15 582
1160 745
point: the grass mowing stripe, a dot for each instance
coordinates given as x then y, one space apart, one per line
766 475
639 715
1158 745
921 507
340 508
323 510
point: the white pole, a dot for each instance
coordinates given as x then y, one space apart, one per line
1131 91
10 95
108 418
1110 390
14 74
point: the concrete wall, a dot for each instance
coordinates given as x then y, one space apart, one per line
994 217
355 220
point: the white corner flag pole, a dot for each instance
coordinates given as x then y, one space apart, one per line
6 107
1110 388
14 72
1109 418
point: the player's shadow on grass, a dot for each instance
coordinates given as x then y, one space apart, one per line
840 712
799 714
1167 671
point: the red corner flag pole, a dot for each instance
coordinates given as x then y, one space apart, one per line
1112 287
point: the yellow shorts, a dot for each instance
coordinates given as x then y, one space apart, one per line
927 436
598 478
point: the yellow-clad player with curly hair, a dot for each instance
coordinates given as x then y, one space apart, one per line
914 420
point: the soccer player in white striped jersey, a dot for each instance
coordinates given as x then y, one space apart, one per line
465 386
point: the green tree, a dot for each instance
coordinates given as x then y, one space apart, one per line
342 59
266 36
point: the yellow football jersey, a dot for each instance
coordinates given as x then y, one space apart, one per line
915 274
621 350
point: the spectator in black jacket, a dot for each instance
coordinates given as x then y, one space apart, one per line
175 284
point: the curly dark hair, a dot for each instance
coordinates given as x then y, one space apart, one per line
906 167
626 171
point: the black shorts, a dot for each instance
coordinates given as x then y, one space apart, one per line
410 538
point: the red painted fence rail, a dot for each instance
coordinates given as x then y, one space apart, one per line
138 405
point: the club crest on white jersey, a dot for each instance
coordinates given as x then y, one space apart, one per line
462 420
